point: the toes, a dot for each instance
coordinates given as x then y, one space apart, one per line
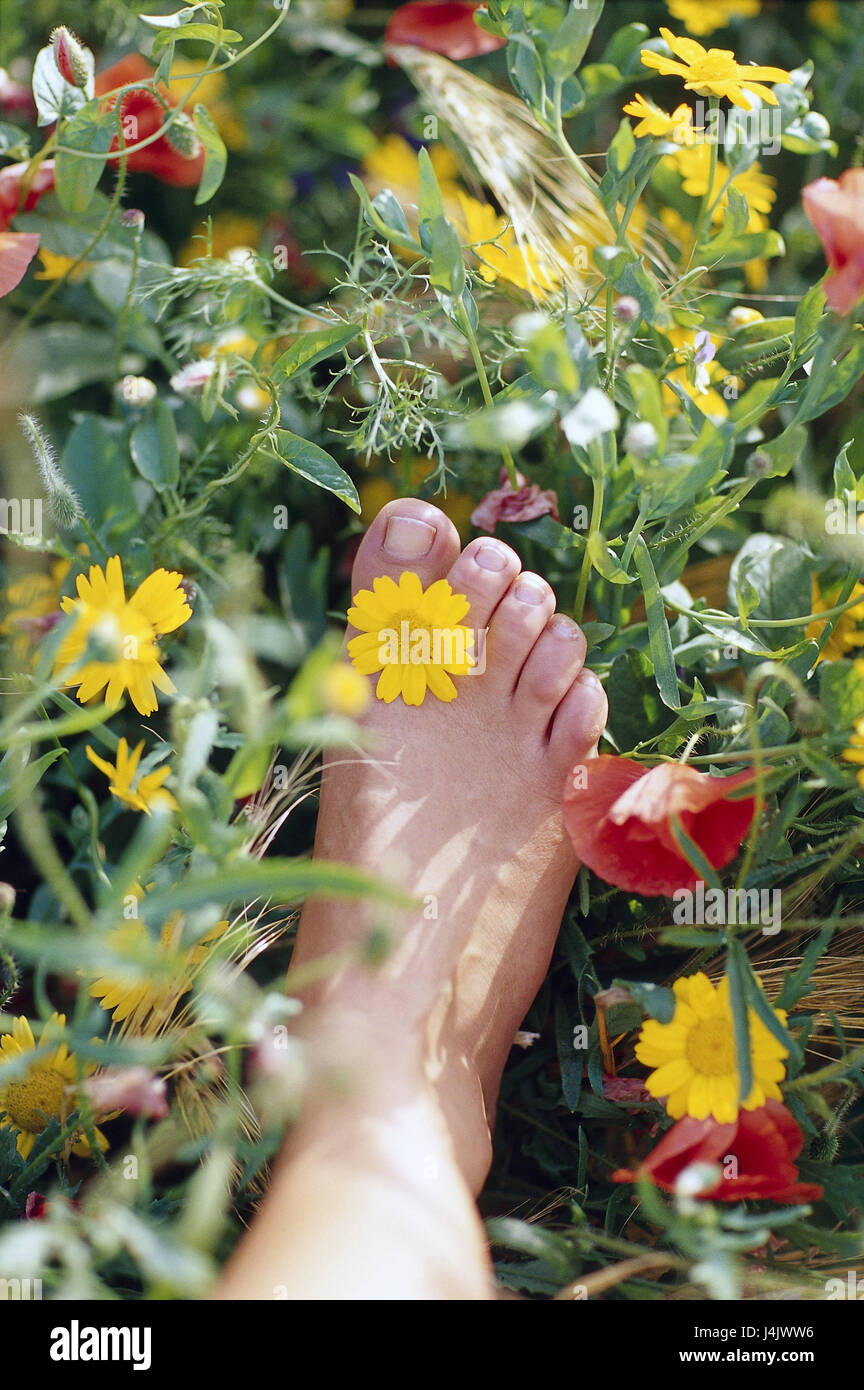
553 664
407 534
579 719
516 624
483 573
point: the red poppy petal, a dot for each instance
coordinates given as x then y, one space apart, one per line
443 28
17 250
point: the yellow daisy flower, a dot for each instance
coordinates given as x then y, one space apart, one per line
134 998
506 259
127 629
694 1055
413 636
714 71
694 166
45 1090
30 604
704 16
143 794
848 630
654 121
699 380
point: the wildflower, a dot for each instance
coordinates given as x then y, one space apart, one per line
848 631
497 249
704 16
694 1055
824 14
447 28
855 752
20 191
714 72
412 636
128 627
137 1090
32 608
143 793
194 376
764 1142
43 1092
699 378
836 209
621 819
161 972
694 164
742 317
654 121
506 503
135 390
344 691
142 114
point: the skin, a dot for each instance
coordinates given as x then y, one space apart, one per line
460 804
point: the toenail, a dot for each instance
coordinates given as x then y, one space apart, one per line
406 538
530 590
565 627
490 557
588 677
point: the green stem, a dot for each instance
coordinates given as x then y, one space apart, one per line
471 337
593 529
707 197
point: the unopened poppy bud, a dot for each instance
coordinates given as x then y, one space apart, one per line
740 316
64 503
627 309
135 390
132 218
7 897
640 439
74 60
181 134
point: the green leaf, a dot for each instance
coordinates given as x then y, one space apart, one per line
569 1060
841 691
19 778
95 462
154 447
76 179
396 231
208 33
313 347
314 463
636 712
605 561
440 241
55 360
648 402
643 284
55 98
14 142
179 18
737 969
659 639
784 451
215 153
808 316
657 1001
430 203
565 48
830 381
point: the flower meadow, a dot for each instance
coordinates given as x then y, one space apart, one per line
591 278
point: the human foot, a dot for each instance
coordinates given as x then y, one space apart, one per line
460 804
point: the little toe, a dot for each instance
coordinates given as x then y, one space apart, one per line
553 664
516 624
407 534
483 573
579 720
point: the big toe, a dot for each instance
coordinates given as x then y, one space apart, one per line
407 534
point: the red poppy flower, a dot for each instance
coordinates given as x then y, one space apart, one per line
763 1143
836 209
444 28
142 114
17 249
620 819
507 503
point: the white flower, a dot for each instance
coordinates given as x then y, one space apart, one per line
592 416
194 376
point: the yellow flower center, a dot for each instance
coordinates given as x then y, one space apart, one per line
716 66
711 1047
31 1102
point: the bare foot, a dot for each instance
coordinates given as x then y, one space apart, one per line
460 804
